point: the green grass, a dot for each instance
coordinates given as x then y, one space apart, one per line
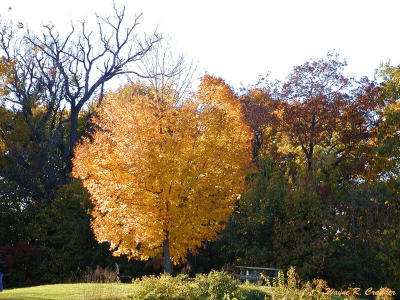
81 291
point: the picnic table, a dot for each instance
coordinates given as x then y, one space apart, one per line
254 273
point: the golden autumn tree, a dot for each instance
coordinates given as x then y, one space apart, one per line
164 176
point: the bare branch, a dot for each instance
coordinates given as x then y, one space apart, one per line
52 68
167 72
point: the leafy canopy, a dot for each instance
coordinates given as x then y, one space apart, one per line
164 170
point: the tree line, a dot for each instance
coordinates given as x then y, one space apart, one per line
320 184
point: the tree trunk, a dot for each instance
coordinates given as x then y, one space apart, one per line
167 258
74 129
73 136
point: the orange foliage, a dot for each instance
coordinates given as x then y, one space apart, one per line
168 170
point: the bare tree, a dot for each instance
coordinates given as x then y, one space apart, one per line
168 71
51 69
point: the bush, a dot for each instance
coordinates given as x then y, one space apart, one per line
162 287
216 285
292 288
100 275
19 263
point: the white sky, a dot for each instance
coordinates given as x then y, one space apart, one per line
240 40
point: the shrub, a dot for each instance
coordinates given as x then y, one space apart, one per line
19 264
100 275
215 285
290 288
162 287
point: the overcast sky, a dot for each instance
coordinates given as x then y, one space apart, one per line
240 40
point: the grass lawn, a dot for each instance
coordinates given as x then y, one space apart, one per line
94 291
71 291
